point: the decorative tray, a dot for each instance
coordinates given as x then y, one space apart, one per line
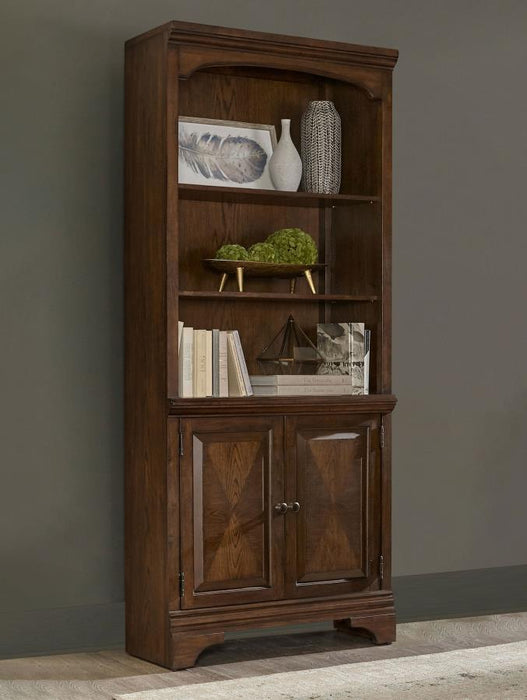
249 268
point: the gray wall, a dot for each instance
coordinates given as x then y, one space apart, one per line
460 337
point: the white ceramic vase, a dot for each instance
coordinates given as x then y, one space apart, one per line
285 165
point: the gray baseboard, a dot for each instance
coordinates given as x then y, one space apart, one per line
422 597
461 593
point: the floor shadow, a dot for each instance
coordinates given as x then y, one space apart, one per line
266 647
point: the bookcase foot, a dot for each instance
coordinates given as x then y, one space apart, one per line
379 628
187 647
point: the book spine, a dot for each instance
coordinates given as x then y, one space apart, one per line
367 346
236 384
180 325
215 362
242 364
186 364
307 390
223 373
208 363
357 356
299 379
200 364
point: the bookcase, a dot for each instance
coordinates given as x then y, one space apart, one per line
250 512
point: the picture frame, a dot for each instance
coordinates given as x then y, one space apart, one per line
222 153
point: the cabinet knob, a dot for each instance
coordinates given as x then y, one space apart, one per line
281 508
294 506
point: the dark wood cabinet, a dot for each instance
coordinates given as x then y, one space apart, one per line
257 511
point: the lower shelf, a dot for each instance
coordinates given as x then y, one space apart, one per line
372 403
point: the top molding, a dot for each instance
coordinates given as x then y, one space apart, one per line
245 40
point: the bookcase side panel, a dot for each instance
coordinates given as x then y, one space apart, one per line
145 347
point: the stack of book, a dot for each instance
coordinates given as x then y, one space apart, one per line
345 369
211 363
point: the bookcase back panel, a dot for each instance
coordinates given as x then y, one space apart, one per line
257 321
355 250
205 226
264 96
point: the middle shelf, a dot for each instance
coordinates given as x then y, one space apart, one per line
276 296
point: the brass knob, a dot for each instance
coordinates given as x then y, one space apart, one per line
281 508
294 506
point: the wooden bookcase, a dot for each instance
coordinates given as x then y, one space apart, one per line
206 551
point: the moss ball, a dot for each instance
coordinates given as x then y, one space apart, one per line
262 252
232 251
294 246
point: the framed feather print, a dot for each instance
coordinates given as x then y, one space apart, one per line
225 153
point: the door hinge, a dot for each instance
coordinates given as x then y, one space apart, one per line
182 583
381 436
181 444
381 568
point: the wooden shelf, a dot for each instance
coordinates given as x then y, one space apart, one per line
376 403
293 199
275 296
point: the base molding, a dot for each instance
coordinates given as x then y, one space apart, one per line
192 631
379 628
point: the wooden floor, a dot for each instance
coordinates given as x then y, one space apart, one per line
99 675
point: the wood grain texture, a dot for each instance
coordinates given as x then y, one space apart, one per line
232 475
145 347
333 542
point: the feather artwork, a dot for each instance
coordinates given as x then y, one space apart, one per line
227 158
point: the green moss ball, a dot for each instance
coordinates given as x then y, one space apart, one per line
293 246
262 252
232 251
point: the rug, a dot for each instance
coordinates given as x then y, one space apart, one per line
485 673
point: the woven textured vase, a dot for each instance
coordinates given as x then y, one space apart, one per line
321 148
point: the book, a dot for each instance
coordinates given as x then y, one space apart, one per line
342 348
242 363
300 379
208 363
236 383
304 390
180 325
223 373
215 362
186 363
200 363
367 346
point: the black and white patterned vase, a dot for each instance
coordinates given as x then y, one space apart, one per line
321 148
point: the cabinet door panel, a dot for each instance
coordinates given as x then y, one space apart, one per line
333 472
232 474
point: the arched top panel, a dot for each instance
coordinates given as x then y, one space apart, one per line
374 83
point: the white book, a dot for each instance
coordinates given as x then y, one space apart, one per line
367 347
236 383
223 371
215 362
307 390
200 364
208 363
186 363
243 364
180 325
300 379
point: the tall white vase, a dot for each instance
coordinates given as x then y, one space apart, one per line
285 165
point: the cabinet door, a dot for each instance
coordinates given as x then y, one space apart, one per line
232 540
333 473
